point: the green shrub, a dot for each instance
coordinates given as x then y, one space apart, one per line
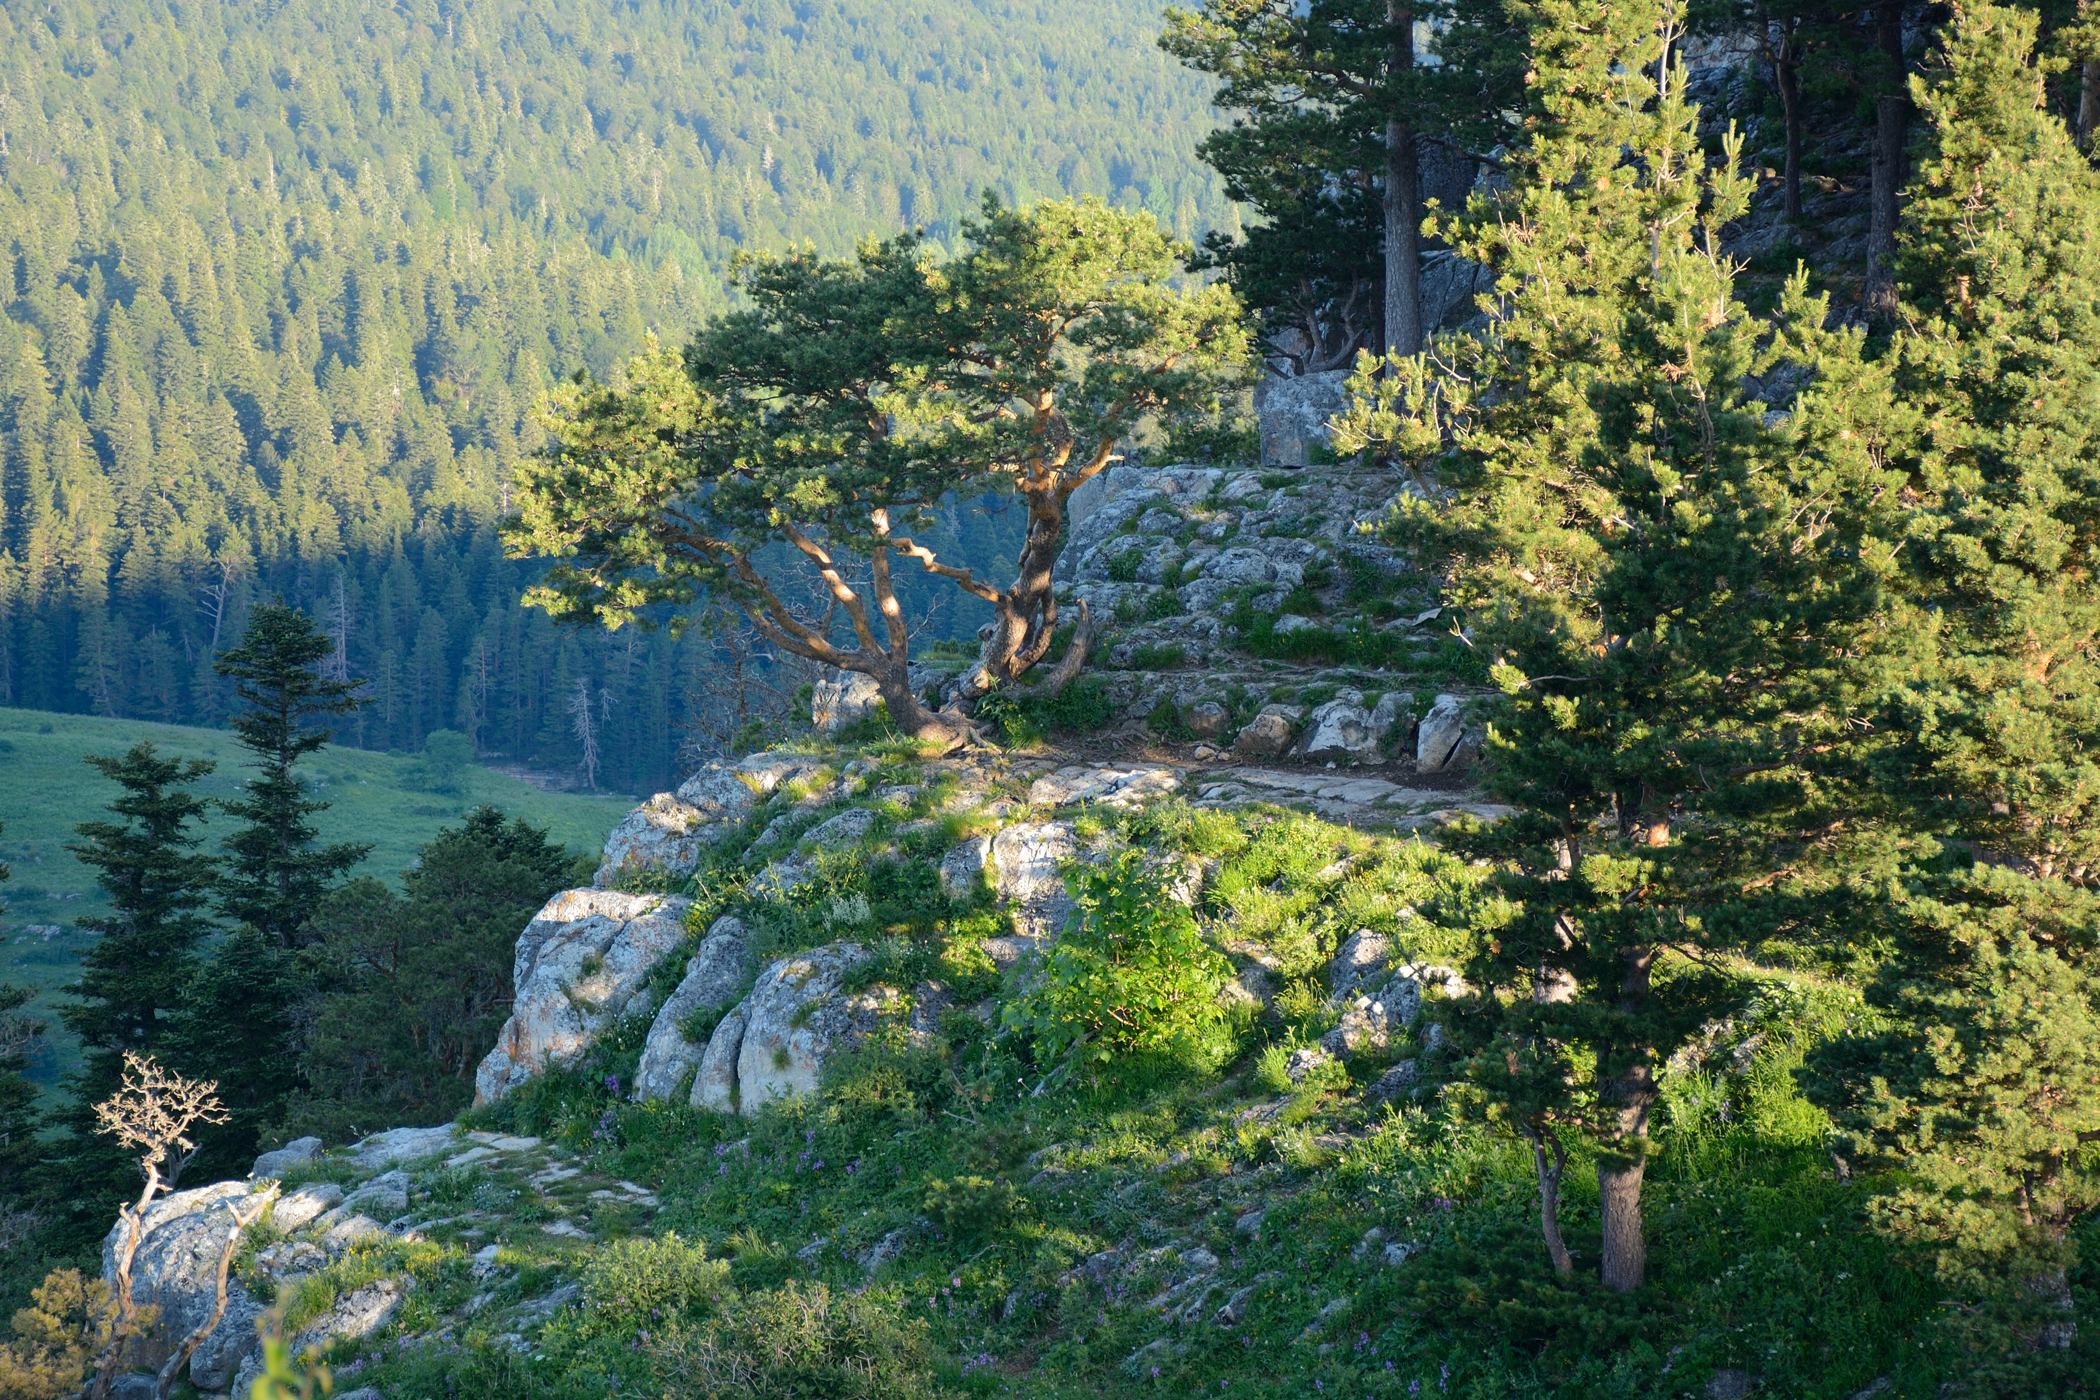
799 1340
1124 567
649 1282
969 1207
1132 982
1157 656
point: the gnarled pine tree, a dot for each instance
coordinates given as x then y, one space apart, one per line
813 433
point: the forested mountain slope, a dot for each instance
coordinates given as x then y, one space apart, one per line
283 280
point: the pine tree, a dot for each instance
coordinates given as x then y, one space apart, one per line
1671 588
157 884
276 870
1987 1094
136 975
239 1026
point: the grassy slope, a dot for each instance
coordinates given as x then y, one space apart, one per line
46 789
1047 1241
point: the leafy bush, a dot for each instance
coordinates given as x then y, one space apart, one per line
1132 981
800 1341
970 1206
648 1282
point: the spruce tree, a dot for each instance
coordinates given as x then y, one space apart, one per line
276 868
1986 1094
1671 586
157 884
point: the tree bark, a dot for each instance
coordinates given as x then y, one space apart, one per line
1619 1197
1785 58
1024 615
1628 1091
2088 102
1551 1166
1403 201
1891 132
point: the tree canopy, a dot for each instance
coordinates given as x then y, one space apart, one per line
786 462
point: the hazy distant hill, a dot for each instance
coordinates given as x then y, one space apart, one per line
284 278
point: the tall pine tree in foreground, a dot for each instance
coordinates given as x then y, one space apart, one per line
237 1024
276 867
1986 1096
135 975
1671 589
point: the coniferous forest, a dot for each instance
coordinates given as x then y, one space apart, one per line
1558 859
284 280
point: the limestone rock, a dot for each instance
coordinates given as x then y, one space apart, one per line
1293 412
398 1146
1363 955
301 1208
355 1316
1116 786
1392 717
176 1266
797 1015
712 980
385 1197
1442 742
1028 874
1341 731
582 962
714 1086
218 1357
662 835
1304 1061
1269 733
962 869
848 828
841 699
1372 1023
295 1153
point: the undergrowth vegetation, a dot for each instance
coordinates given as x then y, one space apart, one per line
1196 1209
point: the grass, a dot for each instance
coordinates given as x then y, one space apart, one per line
1082 1242
46 790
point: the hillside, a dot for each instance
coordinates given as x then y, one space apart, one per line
283 282
773 1107
46 790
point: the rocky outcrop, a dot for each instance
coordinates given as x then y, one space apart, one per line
1380 1003
297 1152
1345 731
1444 742
796 1016
713 979
715 1083
583 962
1294 411
176 1267
1027 873
845 698
665 836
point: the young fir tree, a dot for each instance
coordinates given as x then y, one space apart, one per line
276 868
158 886
1669 587
135 975
1986 1098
